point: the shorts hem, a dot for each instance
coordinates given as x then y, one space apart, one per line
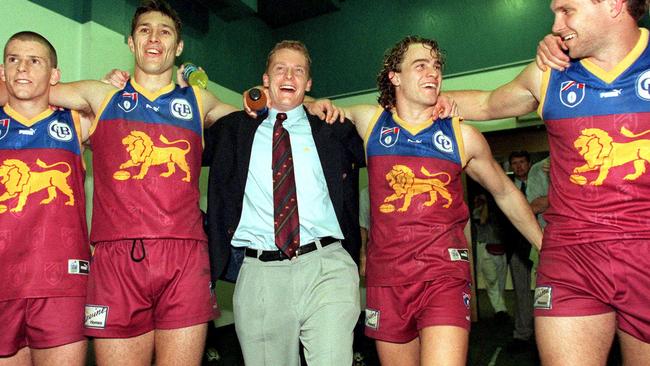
572 313
188 322
635 333
452 322
61 341
10 352
390 338
116 333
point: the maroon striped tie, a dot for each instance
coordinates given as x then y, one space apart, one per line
285 201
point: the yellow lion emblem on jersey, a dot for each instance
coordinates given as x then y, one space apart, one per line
601 153
406 185
144 154
19 180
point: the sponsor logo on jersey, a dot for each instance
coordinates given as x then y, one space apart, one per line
60 131
78 266
128 101
458 254
601 153
372 318
388 136
21 182
443 142
149 106
643 85
543 297
612 93
572 93
406 185
181 108
29 132
4 127
96 316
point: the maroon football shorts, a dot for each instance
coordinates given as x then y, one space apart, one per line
397 313
597 278
136 286
40 323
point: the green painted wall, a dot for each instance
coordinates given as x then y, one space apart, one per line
347 45
474 33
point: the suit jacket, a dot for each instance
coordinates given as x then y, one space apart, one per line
227 152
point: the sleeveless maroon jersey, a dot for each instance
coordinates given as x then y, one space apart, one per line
416 202
599 136
146 165
44 249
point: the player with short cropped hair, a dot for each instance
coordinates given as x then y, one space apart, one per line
44 249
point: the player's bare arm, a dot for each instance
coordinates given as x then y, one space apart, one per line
84 96
516 98
481 166
361 116
214 108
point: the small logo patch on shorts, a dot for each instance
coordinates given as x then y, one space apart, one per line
543 297
458 254
78 266
96 316
372 319
466 300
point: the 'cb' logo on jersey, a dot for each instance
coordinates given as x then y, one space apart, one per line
181 108
388 136
643 85
60 131
128 101
4 127
572 93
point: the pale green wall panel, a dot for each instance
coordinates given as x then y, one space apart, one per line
63 33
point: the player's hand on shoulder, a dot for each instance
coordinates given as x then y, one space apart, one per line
445 107
325 110
551 52
117 78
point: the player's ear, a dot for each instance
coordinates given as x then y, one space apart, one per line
265 80
617 7
179 48
394 78
130 43
55 76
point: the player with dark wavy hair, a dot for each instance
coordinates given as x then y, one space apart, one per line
417 265
393 61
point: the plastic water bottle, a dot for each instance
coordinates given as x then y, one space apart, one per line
195 76
257 101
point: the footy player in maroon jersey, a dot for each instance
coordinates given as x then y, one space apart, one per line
593 275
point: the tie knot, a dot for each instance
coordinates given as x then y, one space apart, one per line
281 117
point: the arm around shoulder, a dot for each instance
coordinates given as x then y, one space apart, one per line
85 96
213 107
515 98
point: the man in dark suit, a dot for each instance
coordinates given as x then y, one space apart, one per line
302 287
